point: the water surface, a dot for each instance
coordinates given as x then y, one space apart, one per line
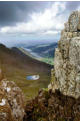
33 77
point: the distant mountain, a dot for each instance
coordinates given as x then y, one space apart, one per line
44 50
16 65
32 43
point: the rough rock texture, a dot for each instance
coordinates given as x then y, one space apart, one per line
11 102
67 59
49 106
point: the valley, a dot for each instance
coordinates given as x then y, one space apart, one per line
16 65
42 52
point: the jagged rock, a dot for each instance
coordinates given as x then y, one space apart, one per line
5 109
67 59
74 21
49 106
11 102
73 24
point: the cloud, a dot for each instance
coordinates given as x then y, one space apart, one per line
47 22
34 20
12 12
51 32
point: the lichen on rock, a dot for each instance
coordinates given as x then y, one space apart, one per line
11 101
67 58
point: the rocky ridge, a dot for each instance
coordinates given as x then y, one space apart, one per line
67 59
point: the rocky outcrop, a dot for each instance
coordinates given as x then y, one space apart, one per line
49 106
67 59
11 102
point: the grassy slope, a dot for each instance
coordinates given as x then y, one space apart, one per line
48 60
16 66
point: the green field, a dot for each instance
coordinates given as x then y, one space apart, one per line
47 60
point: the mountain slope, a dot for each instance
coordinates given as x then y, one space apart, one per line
16 66
44 50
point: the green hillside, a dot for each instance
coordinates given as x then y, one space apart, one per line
16 66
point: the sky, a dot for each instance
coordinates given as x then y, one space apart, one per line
32 22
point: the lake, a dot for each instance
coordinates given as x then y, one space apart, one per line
33 77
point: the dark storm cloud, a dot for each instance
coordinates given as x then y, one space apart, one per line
12 12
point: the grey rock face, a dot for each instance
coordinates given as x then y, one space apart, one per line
67 58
